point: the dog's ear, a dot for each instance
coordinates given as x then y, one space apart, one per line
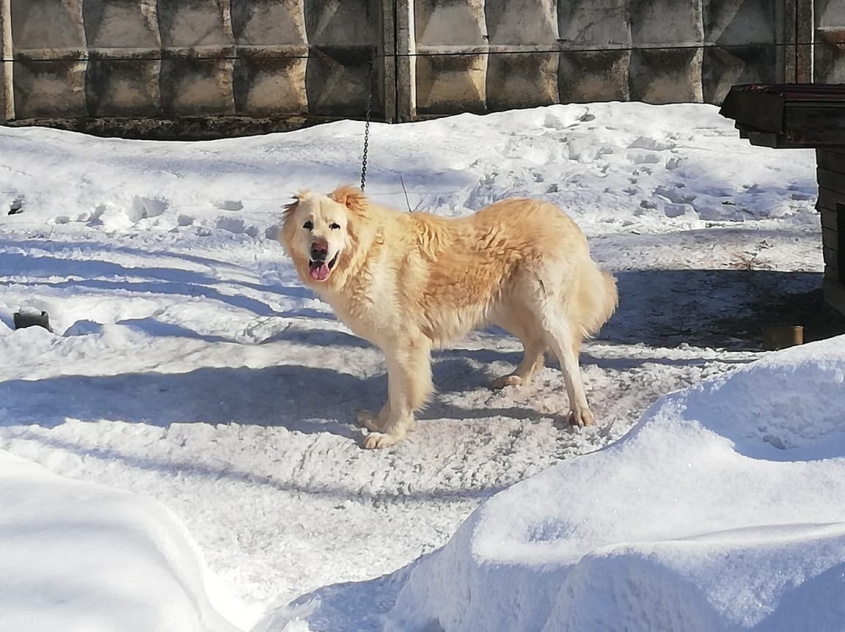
351 197
290 208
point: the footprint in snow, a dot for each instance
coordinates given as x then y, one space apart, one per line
229 205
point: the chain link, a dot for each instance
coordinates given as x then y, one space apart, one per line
371 75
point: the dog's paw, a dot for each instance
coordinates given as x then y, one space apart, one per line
369 420
379 440
582 417
508 380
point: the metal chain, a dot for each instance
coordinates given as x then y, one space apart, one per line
367 124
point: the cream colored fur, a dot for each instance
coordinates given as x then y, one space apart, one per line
411 282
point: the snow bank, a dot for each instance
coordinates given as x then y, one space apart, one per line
78 556
722 509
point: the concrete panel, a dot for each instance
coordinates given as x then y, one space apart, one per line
522 21
594 24
197 87
666 22
49 89
450 22
121 23
47 24
337 23
829 64
448 84
740 22
722 68
187 23
525 80
601 76
268 22
118 87
270 85
338 81
830 13
666 76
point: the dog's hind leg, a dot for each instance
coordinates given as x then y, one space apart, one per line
564 341
409 387
525 326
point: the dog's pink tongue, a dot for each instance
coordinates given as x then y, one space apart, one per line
320 272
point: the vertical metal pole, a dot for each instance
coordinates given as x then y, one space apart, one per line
387 76
7 95
786 56
406 63
805 35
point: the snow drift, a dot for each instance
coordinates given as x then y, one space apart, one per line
721 510
76 556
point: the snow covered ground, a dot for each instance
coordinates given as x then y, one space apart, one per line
188 365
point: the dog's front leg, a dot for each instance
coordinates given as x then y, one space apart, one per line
372 421
408 386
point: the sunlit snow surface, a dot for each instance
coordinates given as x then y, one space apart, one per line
188 365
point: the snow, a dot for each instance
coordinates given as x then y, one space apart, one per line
718 511
79 556
190 371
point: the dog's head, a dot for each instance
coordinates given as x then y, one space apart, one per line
317 231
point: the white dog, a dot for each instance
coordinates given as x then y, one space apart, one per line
411 282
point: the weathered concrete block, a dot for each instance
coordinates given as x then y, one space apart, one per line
741 22
186 23
197 87
268 22
722 68
666 76
601 76
47 24
337 82
829 64
49 88
594 23
450 22
121 23
522 21
449 84
671 22
336 24
830 13
123 87
524 80
267 85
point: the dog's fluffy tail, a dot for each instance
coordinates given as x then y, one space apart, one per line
595 301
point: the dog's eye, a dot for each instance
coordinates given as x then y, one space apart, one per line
334 226
309 225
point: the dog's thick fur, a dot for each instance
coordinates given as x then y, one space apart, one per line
410 282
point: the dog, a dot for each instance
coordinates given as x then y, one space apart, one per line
413 282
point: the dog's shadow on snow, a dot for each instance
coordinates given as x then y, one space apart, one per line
299 398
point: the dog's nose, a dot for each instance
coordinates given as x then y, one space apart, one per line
319 250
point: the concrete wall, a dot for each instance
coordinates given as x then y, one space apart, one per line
191 58
177 59
648 50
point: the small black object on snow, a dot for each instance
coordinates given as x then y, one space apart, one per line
16 206
30 317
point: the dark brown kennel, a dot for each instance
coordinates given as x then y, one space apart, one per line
804 115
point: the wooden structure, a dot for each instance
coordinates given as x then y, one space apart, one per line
804 115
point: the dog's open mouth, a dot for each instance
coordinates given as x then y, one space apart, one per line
320 270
